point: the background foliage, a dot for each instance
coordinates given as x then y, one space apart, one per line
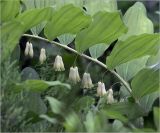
121 34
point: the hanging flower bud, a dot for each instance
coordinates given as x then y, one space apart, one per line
26 51
30 50
74 75
101 91
58 64
110 98
42 56
87 81
77 74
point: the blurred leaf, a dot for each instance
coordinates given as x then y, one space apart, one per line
123 92
66 23
38 85
130 69
9 9
29 73
32 4
10 34
56 106
142 24
118 126
41 15
94 6
126 108
156 113
105 28
151 84
16 54
49 119
66 38
132 48
84 102
97 50
72 123
90 122
148 100
112 114
35 103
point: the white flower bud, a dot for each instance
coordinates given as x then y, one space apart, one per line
74 75
101 91
58 64
42 56
26 52
30 50
86 81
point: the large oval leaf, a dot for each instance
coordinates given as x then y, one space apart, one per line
137 26
9 9
151 84
93 6
105 28
132 48
68 19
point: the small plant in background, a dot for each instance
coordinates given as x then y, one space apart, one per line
78 66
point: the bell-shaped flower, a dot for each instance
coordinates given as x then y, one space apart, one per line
31 50
74 75
26 51
110 98
87 81
101 91
58 64
42 56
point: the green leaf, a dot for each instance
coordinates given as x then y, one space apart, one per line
151 84
156 113
94 6
105 28
66 38
10 34
131 68
49 119
136 20
112 114
148 100
9 9
97 50
126 108
41 15
38 85
32 4
56 106
68 19
132 48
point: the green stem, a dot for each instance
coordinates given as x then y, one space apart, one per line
85 56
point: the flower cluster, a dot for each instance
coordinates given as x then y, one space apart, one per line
74 76
29 50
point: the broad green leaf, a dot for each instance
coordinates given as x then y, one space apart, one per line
136 20
93 6
105 28
32 4
151 84
156 113
132 48
38 85
131 68
66 38
41 15
61 3
97 50
68 19
56 106
49 119
9 9
112 114
10 34
127 109
148 100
